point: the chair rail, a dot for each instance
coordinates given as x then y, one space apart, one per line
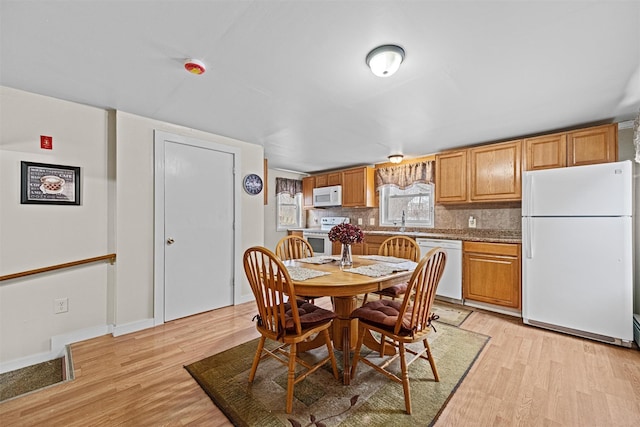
109 257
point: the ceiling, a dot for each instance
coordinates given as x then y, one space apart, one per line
291 75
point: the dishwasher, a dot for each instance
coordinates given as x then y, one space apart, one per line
450 286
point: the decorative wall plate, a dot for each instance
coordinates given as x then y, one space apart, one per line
252 184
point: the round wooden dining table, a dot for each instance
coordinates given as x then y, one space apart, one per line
344 288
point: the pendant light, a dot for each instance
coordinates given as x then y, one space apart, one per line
385 60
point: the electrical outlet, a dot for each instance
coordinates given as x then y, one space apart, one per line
359 221
472 222
60 305
372 221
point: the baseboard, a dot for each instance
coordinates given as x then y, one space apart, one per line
495 308
58 348
128 328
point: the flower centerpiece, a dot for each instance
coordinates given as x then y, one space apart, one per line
347 234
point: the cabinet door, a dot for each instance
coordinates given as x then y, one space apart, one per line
334 178
545 152
593 145
496 172
451 177
356 248
372 243
358 187
321 181
307 191
492 273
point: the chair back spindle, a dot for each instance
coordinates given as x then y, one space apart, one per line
421 291
271 287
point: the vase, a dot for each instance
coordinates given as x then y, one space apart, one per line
346 260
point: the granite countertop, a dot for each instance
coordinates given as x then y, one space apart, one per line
472 235
469 234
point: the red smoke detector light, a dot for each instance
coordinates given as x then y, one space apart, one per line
194 66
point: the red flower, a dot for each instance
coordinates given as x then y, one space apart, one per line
346 234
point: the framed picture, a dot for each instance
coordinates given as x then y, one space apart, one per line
47 184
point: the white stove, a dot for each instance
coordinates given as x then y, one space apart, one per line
328 222
318 238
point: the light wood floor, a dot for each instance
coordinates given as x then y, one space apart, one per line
525 376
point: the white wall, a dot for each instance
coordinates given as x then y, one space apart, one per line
35 236
271 236
134 222
116 215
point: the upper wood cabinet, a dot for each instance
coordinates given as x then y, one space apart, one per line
597 144
328 179
451 177
487 173
308 183
545 152
358 187
594 145
495 172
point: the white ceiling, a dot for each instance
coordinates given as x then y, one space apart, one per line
291 75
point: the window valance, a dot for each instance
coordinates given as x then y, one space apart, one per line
287 185
404 176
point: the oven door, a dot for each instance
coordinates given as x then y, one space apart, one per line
319 242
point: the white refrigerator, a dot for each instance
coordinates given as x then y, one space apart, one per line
577 251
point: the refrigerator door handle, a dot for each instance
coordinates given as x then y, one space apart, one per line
528 244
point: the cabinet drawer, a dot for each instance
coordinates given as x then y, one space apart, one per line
509 249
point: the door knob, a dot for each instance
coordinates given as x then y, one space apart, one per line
170 241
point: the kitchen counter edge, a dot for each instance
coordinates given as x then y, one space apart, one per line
490 236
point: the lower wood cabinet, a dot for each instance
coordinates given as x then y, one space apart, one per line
492 273
356 248
372 243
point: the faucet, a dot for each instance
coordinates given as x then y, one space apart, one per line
402 228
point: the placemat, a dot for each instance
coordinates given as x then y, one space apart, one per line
301 273
316 260
382 258
376 270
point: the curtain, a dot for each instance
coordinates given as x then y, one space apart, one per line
286 185
404 176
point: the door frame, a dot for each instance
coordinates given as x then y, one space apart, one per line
159 244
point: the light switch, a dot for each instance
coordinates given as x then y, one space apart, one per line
372 221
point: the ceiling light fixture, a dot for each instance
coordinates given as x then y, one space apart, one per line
194 66
395 158
385 60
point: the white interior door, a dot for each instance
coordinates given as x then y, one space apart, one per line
199 229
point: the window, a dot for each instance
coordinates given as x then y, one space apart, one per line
288 211
416 202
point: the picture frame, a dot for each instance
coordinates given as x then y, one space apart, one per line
49 184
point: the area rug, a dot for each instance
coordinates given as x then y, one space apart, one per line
451 314
321 400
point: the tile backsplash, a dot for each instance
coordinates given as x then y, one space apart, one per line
488 216
497 216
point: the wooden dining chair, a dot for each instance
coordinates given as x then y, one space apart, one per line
403 322
295 247
289 322
400 247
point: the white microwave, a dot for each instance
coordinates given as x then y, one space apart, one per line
327 196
